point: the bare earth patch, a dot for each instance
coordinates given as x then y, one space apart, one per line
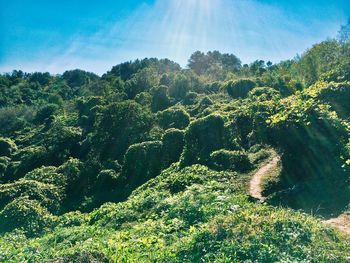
255 189
341 222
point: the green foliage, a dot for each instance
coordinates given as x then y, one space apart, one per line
7 147
230 160
28 158
264 94
108 180
202 63
173 117
46 113
202 137
118 126
142 81
160 99
143 136
47 175
173 144
142 162
239 88
49 196
25 214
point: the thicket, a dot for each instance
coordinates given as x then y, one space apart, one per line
76 141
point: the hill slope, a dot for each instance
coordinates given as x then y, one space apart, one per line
152 162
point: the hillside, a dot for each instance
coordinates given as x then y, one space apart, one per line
151 162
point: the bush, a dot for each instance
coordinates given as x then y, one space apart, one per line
176 118
142 162
230 160
47 175
239 89
118 126
173 143
30 158
25 214
7 147
108 180
160 99
264 93
144 98
49 196
4 163
202 137
190 98
46 113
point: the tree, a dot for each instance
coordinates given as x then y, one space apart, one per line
173 118
173 143
239 89
160 99
77 78
118 126
202 137
7 147
344 33
142 162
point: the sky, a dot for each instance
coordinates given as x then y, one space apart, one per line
59 35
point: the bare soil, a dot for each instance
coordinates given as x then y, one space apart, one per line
342 222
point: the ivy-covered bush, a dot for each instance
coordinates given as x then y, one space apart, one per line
47 175
173 117
7 147
46 113
173 143
239 89
230 160
25 214
118 126
202 137
48 195
160 100
26 160
142 162
108 180
264 94
4 163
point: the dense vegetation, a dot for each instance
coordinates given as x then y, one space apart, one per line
150 162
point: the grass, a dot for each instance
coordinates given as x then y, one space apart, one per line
188 215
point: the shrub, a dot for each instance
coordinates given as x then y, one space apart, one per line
142 162
26 214
47 175
108 180
144 98
230 160
46 113
173 143
160 99
119 126
239 88
30 158
49 196
173 118
7 147
190 98
4 163
202 137
263 93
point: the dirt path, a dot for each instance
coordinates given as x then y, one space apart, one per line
255 189
342 222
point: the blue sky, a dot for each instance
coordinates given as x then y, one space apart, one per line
54 36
